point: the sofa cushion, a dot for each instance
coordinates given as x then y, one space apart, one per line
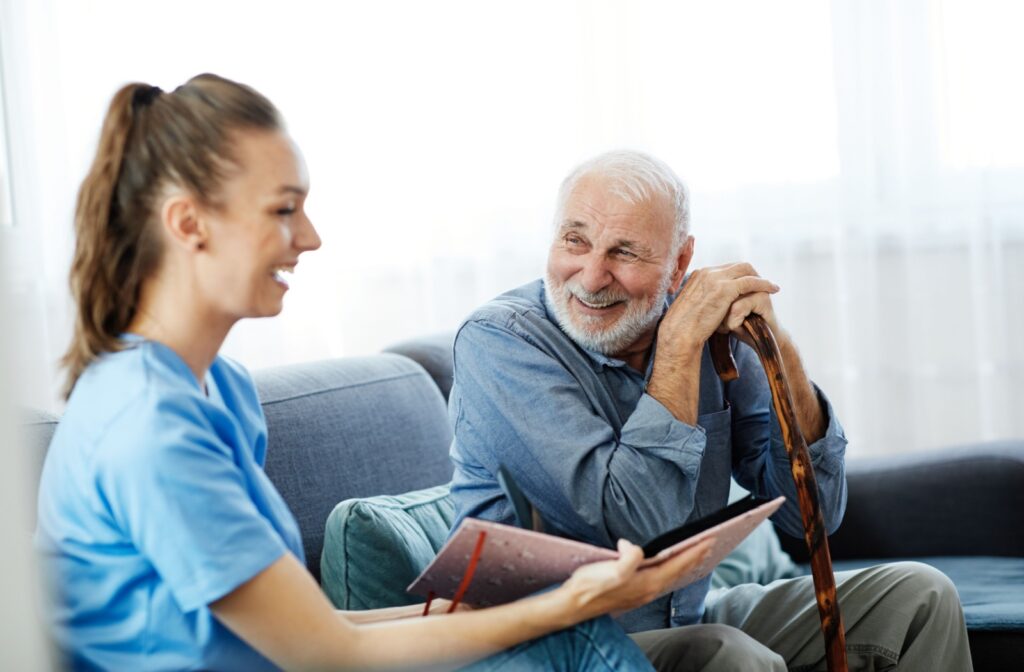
991 589
375 547
348 428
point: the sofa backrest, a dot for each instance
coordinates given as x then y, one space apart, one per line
434 354
961 500
351 427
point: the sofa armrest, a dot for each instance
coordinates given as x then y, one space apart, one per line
967 500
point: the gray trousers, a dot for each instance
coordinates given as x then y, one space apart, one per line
903 616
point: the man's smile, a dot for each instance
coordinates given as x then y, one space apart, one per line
602 308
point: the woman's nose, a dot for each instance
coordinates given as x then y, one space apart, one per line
306 238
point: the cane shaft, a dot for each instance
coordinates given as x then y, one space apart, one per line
803 477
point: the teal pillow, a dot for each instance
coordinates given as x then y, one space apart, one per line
375 547
758 559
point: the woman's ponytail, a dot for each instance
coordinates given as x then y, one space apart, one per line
149 139
94 285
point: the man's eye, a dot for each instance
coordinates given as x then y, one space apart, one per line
574 240
626 254
284 212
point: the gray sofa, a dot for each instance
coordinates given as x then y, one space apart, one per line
362 426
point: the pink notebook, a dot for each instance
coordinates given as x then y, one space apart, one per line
515 562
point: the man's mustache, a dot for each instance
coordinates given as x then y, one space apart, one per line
607 295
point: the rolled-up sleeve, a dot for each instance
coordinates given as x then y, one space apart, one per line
761 462
516 404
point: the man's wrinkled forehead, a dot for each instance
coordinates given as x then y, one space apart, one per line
594 203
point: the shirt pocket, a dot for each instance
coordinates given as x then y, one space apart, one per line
716 465
716 424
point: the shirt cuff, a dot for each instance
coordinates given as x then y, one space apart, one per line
653 429
828 452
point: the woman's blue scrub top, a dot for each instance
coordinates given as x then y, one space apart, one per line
153 504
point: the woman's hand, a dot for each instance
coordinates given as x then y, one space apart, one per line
620 585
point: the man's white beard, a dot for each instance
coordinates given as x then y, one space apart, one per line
587 331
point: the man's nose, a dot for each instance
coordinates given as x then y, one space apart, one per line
595 275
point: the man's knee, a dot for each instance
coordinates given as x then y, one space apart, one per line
709 646
933 589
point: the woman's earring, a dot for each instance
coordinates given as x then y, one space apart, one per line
200 245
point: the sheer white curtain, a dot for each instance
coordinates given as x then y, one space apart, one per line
865 155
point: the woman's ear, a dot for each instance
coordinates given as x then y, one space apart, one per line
180 219
682 263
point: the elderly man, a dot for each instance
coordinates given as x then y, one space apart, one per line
595 388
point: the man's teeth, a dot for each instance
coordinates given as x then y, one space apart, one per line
596 305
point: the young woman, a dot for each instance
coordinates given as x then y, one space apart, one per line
169 546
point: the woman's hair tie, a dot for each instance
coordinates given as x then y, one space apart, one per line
144 95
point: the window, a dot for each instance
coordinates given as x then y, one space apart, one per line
6 211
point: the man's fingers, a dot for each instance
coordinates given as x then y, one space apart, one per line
752 303
734 270
751 284
739 311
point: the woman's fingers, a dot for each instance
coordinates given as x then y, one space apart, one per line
688 559
620 585
630 557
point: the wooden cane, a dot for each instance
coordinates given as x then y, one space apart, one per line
803 475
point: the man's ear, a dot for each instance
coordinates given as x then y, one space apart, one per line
180 217
682 263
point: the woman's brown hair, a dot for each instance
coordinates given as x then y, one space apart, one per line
150 140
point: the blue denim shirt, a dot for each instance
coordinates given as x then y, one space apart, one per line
599 457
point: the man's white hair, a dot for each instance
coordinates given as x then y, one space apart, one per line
635 177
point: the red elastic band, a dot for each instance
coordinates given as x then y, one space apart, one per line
470 570
426 607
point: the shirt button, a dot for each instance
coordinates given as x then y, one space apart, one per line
673 612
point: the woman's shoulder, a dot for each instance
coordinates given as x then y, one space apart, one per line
111 391
124 377
144 385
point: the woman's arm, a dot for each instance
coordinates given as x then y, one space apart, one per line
283 614
437 608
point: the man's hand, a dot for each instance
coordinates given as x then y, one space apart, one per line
714 299
719 299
